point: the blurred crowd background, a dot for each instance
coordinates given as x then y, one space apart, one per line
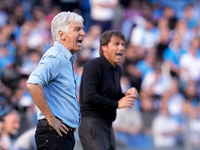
162 60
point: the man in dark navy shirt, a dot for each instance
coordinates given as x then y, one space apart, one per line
101 94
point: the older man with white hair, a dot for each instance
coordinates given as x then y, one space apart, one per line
53 86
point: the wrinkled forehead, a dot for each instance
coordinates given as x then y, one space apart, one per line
73 25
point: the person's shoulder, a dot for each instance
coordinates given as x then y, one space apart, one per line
93 65
52 52
94 61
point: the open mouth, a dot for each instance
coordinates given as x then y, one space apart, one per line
118 54
79 42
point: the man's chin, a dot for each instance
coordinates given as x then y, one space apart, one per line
76 50
14 132
118 60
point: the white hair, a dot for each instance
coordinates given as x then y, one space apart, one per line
61 23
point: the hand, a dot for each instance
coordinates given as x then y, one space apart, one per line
132 91
58 125
126 101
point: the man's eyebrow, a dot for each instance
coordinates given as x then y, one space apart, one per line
79 27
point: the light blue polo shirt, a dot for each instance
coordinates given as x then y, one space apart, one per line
56 75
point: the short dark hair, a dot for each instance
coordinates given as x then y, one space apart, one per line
107 35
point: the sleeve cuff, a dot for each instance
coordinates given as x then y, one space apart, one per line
35 80
115 104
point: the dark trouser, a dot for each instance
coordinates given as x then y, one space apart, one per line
48 139
96 134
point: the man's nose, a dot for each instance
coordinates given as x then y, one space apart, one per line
82 33
121 47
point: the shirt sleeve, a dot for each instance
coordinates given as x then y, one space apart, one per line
46 71
90 87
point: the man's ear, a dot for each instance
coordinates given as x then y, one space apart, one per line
104 47
61 35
